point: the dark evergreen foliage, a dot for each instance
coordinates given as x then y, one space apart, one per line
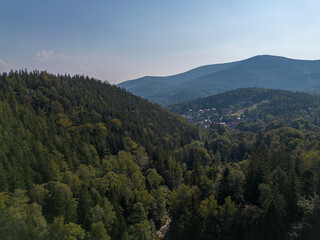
91 156
82 159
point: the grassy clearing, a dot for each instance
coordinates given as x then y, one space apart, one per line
241 111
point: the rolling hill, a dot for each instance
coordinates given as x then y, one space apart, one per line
245 97
252 109
263 71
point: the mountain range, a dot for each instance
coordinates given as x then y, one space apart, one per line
264 71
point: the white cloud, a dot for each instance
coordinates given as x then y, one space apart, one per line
86 70
5 65
46 56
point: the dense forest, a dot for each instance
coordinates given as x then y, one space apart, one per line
246 97
268 165
82 159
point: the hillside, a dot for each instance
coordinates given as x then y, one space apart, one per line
149 87
250 105
85 160
268 142
260 71
246 97
83 150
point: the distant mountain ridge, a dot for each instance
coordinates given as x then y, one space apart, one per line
263 71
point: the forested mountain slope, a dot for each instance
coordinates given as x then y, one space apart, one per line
149 87
245 97
251 108
268 145
81 159
89 154
260 71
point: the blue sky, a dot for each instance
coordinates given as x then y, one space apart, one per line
124 39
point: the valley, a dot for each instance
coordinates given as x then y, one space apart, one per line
159 120
82 159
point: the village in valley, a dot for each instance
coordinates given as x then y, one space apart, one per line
240 118
212 116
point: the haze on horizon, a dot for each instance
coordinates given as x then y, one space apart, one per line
123 40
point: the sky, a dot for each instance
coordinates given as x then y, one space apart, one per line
118 40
